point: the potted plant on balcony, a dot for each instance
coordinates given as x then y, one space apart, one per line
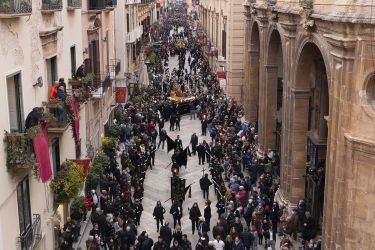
68 181
75 82
54 104
19 151
50 119
89 78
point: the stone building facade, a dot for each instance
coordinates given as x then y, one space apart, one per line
310 84
223 23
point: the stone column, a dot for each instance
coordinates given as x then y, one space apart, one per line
247 65
299 125
262 89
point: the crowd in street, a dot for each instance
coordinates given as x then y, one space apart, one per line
246 215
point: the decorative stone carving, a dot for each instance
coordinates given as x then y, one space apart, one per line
306 4
49 39
306 10
271 2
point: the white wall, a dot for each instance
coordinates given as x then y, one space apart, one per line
21 50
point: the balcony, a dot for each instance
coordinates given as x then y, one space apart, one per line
147 1
99 5
58 122
15 8
129 2
32 236
114 68
102 86
19 152
134 35
74 4
49 6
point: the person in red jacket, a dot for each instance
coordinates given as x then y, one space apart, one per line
89 204
53 90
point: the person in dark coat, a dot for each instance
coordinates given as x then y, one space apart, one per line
194 215
176 245
178 120
237 244
158 214
172 122
185 243
177 234
166 233
220 205
162 138
160 244
205 184
204 126
176 211
203 227
247 238
178 143
194 143
307 227
161 124
207 213
275 218
201 153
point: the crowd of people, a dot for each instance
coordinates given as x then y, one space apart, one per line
244 181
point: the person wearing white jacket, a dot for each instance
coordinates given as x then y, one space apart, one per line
218 243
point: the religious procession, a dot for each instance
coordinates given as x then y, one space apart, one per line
220 192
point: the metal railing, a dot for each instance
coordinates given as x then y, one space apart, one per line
75 3
51 5
15 7
32 236
114 68
101 4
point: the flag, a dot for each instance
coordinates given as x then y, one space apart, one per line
177 188
181 158
188 188
170 144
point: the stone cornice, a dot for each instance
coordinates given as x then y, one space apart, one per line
341 42
360 144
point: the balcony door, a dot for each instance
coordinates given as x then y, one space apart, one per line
15 105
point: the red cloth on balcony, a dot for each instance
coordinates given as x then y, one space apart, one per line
42 155
74 109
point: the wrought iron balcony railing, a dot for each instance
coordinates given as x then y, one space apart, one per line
74 4
10 8
98 5
32 236
51 5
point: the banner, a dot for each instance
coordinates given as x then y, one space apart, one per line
120 94
74 109
177 188
170 144
42 154
85 164
181 158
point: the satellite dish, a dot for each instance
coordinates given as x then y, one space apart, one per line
39 82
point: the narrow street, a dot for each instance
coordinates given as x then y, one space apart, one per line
157 184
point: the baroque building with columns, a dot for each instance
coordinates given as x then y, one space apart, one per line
310 84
